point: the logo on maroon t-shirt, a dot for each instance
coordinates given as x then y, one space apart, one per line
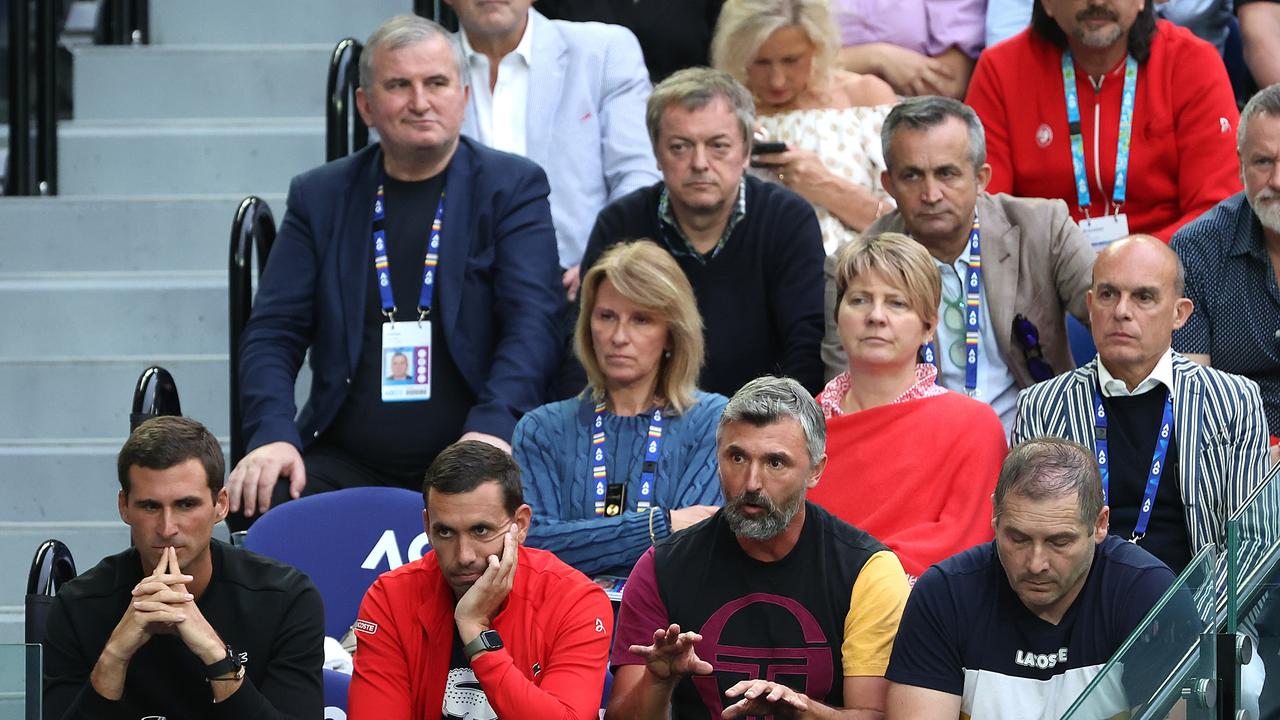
812 661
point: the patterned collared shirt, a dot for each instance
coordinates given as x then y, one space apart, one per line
1230 281
924 387
667 218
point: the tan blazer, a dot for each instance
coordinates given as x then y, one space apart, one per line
1035 262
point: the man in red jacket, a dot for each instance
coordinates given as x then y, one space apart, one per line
1129 119
480 627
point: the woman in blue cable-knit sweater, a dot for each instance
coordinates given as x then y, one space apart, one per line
633 458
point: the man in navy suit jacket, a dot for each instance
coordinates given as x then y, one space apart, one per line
490 302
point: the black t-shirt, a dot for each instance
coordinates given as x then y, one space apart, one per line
464 699
1133 425
673 34
402 438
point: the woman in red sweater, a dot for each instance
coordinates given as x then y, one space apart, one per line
908 461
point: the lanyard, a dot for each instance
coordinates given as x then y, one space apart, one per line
1157 460
382 267
1077 139
600 475
972 313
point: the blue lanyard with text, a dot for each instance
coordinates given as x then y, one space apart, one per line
1077 138
600 475
382 267
1153 472
972 313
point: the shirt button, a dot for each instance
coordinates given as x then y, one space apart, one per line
1278 334
315 434
348 381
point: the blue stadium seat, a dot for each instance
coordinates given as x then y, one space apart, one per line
343 540
1081 341
335 694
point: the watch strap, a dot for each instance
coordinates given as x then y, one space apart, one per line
227 665
487 640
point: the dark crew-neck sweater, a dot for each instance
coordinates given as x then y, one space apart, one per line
1133 423
760 294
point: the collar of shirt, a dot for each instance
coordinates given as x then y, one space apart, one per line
1248 238
924 387
667 216
1162 374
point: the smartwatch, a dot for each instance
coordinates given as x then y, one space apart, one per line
484 642
227 665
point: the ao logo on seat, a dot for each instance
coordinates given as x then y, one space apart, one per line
388 548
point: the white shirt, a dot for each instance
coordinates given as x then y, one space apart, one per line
1161 374
996 385
501 112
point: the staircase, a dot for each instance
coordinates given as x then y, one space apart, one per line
128 266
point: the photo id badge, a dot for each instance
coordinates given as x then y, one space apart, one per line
1102 231
406 361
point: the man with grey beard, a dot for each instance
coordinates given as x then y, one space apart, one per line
1232 259
772 606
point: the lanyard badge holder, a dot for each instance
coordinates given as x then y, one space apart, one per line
972 314
1154 471
1107 228
406 346
611 499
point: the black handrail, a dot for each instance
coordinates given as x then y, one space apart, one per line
437 10
124 22
21 178
343 133
253 227
155 395
51 568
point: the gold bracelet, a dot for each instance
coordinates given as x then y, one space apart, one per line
653 540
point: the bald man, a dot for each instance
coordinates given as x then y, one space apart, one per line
1180 445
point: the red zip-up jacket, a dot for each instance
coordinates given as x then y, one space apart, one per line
1182 158
555 629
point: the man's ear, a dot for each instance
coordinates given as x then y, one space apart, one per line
818 469
362 106
426 523
122 501
220 505
1103 524
886 181
984 176
523 518
1182 309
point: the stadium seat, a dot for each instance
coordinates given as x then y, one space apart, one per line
335 694
343 540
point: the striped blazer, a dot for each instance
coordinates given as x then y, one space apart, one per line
1218 423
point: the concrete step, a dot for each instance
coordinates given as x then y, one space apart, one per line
61 400
60 480
75 315
190 81
277 21
160 232
238 157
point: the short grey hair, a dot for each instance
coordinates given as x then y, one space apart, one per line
402 31
1266 100
930 111
694 88
767 400
1051 467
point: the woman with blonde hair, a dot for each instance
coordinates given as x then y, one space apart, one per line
784 52
633 458
907 460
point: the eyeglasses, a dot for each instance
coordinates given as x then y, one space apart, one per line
953 319
1028 338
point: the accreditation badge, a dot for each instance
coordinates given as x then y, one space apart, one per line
1102 231
406 361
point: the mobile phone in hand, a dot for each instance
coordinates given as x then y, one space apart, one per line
765 148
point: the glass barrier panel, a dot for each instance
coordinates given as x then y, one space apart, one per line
1162 657
20 682
1253 597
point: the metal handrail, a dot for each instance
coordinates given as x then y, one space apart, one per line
155 395
253 228
437 10
21 178
125 22
51 568
344 130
